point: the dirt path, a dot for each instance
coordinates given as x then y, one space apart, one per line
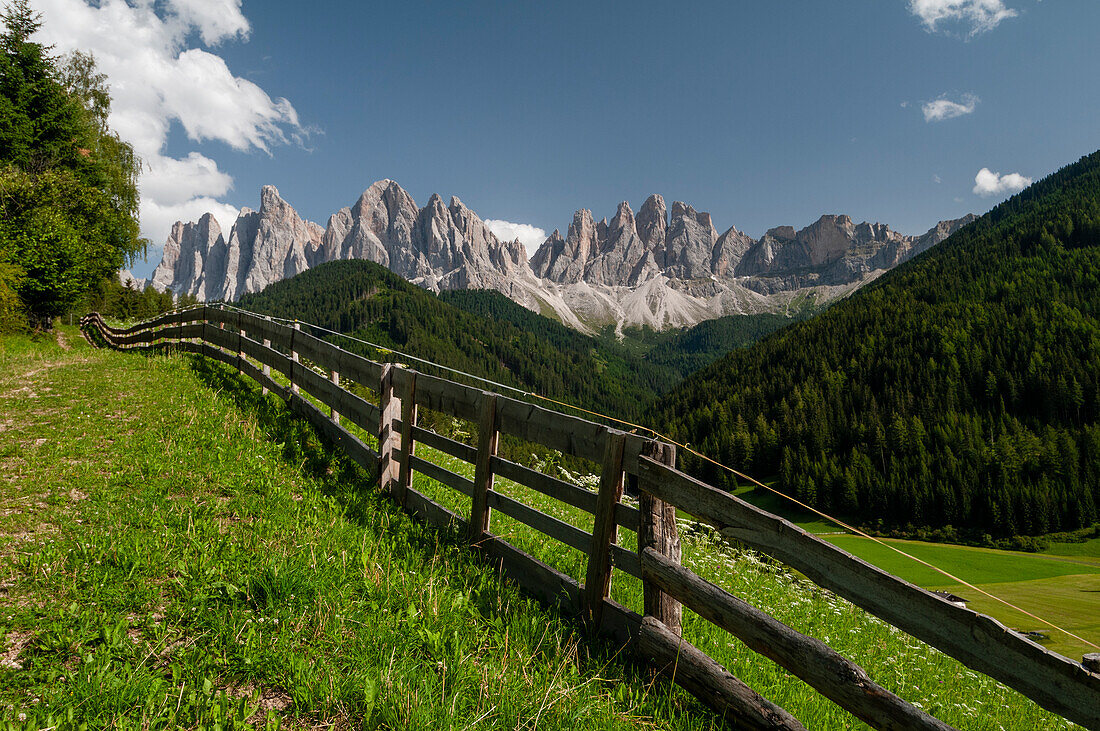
62 342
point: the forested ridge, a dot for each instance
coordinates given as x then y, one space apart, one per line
362 298
961 389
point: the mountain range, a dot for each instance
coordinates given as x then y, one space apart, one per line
660 268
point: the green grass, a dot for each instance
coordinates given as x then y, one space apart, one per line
1061 590
1089 549
172 554
176 550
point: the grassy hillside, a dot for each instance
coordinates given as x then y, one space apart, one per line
177 550
961 389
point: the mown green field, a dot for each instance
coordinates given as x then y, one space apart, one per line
175 550
1062 590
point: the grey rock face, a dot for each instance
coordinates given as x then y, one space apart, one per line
689 245
192 249
659 268
564 260
728 252
832 251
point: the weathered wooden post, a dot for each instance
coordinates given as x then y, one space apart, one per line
389 440
333 413
658 531
267 368
487 436
240 343
597 583
293 360
408 445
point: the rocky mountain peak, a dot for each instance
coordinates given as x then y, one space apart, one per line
652 221
622 222
660 267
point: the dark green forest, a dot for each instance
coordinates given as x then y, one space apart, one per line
362 298
961 389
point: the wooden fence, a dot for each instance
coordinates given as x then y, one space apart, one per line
255 345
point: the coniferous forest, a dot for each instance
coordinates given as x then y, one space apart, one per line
961 389
362 298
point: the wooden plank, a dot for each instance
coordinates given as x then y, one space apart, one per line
597 582
980 642
431 511
267 356
832 675
455 399
560 490
366 457
250 370
389 439
708 681
549 526
448 446
219 355
544 582
658 532
626 560
567 434
221 338
358 411
442 475
408 444
193 330
262 328
487 436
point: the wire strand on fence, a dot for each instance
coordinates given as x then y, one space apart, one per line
659 435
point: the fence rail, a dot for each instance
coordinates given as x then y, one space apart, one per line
256 345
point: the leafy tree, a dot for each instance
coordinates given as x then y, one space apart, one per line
68 185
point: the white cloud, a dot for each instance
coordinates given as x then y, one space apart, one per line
528 235
943 108
157 80
978 16
937 179
988 183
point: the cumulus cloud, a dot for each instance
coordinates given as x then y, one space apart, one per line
528 235
157 80
943 108
988 183
976 16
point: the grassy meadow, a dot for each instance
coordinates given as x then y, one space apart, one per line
175 550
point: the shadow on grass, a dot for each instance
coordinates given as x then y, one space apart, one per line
356 491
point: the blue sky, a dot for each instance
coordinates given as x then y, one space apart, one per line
763 113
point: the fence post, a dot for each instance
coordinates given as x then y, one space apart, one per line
332 412
658 531
389 441
267 368
597 583
293 360
240 344
487 436
408 445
